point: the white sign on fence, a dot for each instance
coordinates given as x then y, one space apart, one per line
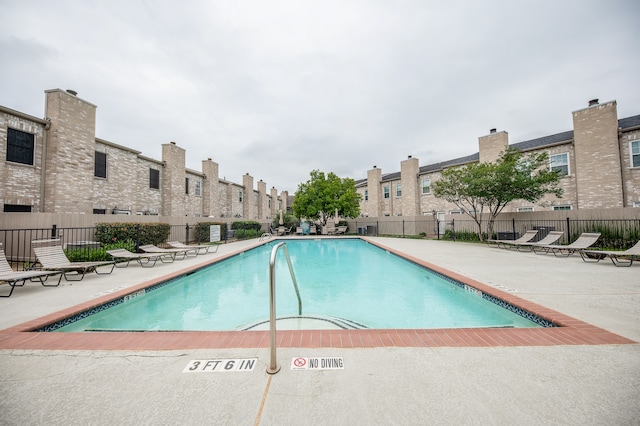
214 233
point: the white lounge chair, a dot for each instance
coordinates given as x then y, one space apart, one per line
201 249
619 258
11 277
526 237
170 253
146 260
51 257
585 240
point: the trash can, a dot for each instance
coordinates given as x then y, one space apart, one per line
508 235
362 230
372 230
543 231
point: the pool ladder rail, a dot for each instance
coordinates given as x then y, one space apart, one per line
273 365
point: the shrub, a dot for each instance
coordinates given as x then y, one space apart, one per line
203 233
246 225
245 234
461 236
145 233
98 254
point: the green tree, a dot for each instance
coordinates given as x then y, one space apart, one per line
320 197
480 187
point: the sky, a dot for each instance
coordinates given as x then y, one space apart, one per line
279 88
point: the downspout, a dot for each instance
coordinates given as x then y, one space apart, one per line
43 167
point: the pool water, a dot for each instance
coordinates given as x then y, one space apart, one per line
342 281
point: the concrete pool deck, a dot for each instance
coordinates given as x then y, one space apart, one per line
501 384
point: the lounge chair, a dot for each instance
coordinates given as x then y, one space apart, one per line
171 252
11 277
203 249
527 237
618 258
299 230
146 260
51 257
551 238
341 230
585 240
312 230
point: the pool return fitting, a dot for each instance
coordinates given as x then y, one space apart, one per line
273 365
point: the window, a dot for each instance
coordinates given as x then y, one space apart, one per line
635 154
20 147
240 196
198 188
636 204
99 211
386 192
455 212
561 207
16 208
366 194
154 179
100 165
426 186
525 209
560 163
186 185
399 190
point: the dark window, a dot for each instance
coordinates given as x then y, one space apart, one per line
99 211
186 185
154 179
16 208
20 146
100 168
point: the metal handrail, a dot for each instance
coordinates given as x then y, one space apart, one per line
273 365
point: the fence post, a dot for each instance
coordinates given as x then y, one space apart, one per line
568 231
53 231
438 228
453 229
187 232
513 228
137 237
402 228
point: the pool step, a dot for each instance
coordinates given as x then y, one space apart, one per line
306 322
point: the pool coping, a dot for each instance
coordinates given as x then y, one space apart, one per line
569 331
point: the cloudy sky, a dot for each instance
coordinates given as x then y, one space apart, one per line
279 88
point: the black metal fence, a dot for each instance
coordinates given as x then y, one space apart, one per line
615 233
17 242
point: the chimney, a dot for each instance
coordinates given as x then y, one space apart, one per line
72 92
593 102
492 131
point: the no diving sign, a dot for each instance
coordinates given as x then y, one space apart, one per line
317 363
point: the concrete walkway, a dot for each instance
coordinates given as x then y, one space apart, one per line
572 385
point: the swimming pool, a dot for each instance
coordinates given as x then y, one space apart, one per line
344 283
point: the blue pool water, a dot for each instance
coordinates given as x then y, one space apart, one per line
347 281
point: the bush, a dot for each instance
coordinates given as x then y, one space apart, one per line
289 221
203 234
245 234
146 233
460 236
246 225
98 254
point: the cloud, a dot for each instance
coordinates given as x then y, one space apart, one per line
280 88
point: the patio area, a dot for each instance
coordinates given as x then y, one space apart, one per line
527 384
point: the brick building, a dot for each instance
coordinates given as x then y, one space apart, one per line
599 160
58 165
